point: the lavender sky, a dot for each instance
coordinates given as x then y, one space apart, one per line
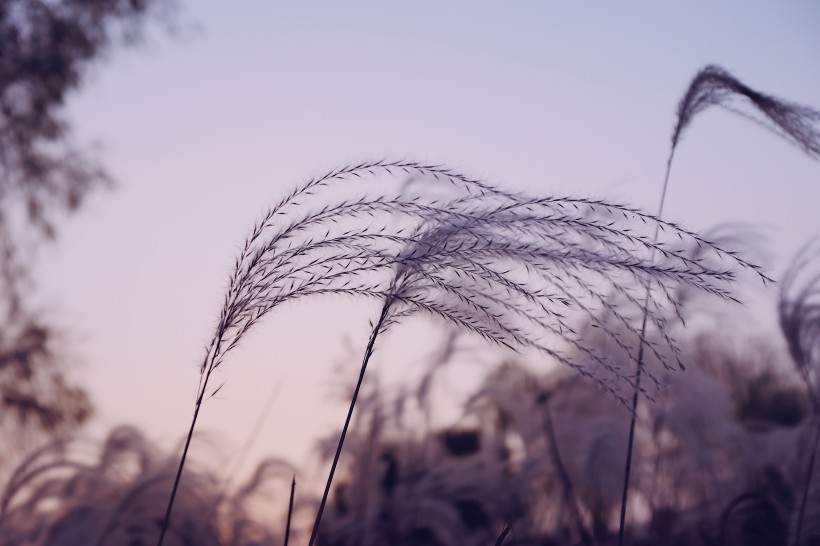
203 131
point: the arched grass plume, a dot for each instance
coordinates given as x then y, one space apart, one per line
513 269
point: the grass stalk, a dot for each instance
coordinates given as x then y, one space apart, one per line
630 445
503 536
806 484
713 86
167 518
367 354
639 364
290 510
570 498
804 497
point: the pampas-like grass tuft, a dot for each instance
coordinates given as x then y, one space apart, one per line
513 269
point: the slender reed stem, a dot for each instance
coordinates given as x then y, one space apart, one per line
636 392
563 475
503 536
806 484
167 518
290 510
631 442
367 354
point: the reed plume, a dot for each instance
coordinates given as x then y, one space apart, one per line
714 86
513 269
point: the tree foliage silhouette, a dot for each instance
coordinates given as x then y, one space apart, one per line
45 50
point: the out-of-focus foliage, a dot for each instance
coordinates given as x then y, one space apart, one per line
45 49
62 497
36 396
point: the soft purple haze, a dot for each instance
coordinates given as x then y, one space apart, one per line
203 132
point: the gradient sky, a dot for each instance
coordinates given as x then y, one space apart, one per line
202 132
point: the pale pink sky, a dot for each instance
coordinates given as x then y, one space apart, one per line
203 132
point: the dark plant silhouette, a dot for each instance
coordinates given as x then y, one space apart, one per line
45 49
503 536
290 511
